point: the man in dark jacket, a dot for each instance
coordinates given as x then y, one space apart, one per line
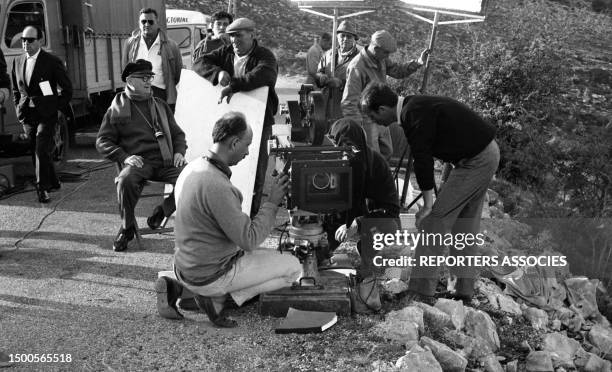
36 77
242 67
139 132
220 21
442 128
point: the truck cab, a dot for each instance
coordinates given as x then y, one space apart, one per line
187 28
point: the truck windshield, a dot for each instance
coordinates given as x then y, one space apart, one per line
181 35
21 15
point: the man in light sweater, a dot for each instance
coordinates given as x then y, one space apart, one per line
217 249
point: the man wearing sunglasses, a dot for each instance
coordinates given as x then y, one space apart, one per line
139 132
220 21
152 44
36 76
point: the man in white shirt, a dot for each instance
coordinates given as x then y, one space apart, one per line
152 44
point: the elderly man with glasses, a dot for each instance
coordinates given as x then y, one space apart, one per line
139 132
152 44
36 76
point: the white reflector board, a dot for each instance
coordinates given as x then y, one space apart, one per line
464 6
197 111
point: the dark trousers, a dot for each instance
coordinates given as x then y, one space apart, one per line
262 167
161 93
41 134
130 182
457 210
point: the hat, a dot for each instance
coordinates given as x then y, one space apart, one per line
240 24
384 40
348 28
140 66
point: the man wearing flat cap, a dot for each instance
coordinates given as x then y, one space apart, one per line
373 64
332 85
241 67
139 133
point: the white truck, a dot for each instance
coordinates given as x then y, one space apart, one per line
187 28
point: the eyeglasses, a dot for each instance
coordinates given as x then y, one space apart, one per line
28 39
145 78
149 21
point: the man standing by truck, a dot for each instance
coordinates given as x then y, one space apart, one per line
152 44
220 21
36 77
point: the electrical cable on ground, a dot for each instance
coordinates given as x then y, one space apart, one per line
57 204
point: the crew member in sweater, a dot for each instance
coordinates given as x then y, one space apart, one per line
139 132
442 128
216 243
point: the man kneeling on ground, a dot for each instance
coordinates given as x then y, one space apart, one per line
216 243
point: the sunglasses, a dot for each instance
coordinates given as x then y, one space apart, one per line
28 39
149 21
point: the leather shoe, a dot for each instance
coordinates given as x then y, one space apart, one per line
188 304
123 237
205 304
43 196
156 218
168 291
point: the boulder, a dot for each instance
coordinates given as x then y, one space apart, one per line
601 338
562 349
395 286
450 360
454 309
512 366
403 332
491 364
418 359
507 304
539 361
472 347
435 318
589 362
537 317
412 314
478 324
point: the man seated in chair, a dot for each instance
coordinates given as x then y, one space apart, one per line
139 132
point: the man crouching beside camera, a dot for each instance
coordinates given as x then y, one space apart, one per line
216 243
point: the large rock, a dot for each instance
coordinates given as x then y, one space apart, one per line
454 309
403 332
479 324
539 361
418 359
395 286
562 349
435 318
491 364
506 303
412 314
537 317
472 347
450 360
601 338
589 362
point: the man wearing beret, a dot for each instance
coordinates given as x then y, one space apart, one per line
373 64
152 44
332 85
139 132
241 67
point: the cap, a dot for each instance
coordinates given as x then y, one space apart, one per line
240 24
384 40
140 66
348 28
